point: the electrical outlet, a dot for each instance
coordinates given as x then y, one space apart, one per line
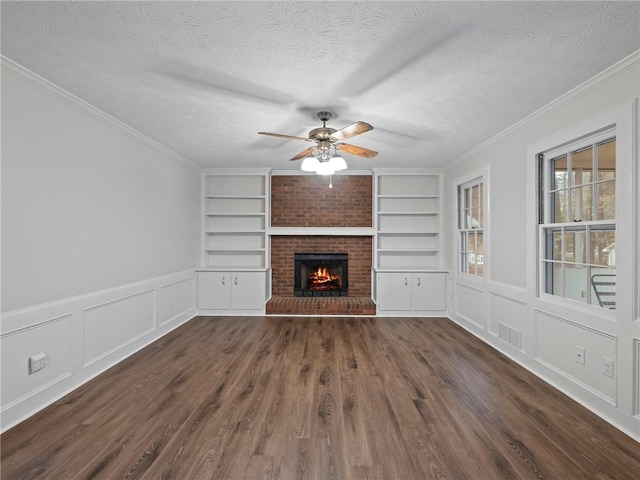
580 354
607 367
37 362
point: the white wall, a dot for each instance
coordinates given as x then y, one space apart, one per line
100 241
503 308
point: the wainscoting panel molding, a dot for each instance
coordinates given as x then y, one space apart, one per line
176 299
52 337
558 351
507 312
469 304
83 336
110 327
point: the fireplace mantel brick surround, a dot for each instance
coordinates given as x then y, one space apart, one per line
302 201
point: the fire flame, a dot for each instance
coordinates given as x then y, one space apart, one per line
322 276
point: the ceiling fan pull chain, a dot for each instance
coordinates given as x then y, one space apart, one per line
330 184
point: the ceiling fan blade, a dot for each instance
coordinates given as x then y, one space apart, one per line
302 154
290 137
355 150
228 85
352 130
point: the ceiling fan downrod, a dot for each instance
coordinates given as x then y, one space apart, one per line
324 117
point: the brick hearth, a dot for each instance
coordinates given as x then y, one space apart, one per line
321 306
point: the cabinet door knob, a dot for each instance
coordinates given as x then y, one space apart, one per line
235 281
223 281
418 281
406 281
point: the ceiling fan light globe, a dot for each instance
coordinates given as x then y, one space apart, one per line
338 163
309 164
324 168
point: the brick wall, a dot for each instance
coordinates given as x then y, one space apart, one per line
358 248
307 201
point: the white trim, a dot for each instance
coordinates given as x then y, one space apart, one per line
313 231
34 80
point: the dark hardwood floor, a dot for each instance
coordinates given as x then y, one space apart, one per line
319 398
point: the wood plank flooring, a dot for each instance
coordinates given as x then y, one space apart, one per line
317 398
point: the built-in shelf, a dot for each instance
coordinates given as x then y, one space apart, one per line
407 212
235 216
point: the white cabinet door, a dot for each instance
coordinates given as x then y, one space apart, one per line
214 290
247 290
394 291
429 291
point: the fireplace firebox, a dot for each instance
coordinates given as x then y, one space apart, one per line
321 275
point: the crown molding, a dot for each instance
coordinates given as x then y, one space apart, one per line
34 80
616 70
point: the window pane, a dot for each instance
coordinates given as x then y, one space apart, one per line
480 205
553 241
580 247
603 287
475 196
471 242
471 266
465 219
582 203
553 278
582 166
607 160
559 172
475 217
606 201
569 247
479 254
560 207
603 247
467 198
576 282
574 244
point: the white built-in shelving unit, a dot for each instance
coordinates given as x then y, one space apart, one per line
235 252
407 217
409 279
235 219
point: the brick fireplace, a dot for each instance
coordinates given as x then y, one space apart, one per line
301 202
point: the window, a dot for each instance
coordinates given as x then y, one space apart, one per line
577 195
471 227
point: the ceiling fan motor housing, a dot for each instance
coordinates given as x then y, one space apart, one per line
321 133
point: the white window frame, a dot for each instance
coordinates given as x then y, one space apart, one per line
581 228
463 229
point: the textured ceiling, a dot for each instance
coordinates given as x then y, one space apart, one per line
435 79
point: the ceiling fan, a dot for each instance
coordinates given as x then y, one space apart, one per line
327 140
